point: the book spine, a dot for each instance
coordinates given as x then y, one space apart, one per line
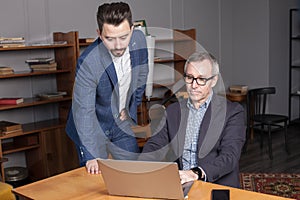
8 101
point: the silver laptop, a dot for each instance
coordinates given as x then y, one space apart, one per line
142 179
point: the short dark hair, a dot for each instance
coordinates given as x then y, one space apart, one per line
113 13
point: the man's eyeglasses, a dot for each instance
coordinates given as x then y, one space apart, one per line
200 81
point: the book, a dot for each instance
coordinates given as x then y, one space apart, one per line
48 43
12 45
2 133
242 89
8 126
44 69
52 95
6 70
86 40
37 66
45 60
12 41
11 38
11 101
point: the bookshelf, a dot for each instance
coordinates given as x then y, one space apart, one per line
182 45
294 66
44 142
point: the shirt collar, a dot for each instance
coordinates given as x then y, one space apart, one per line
204 105
118 59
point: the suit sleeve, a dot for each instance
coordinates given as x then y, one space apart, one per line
83 109
224 158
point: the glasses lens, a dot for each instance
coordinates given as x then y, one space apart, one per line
201 81
188 79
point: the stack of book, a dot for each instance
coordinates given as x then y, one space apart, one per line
6 42
4 70
7 127
42 64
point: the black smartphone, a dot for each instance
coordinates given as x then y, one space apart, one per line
218 194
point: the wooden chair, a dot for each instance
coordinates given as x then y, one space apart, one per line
5 189
259 119
2 160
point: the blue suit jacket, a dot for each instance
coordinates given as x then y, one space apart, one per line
95 105
221 138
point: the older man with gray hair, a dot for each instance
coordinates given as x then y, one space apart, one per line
204 133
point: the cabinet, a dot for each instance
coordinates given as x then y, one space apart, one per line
170 56
47 148
294 66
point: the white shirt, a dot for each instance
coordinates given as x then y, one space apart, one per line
123 70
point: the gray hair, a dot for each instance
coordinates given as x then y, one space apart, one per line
199 57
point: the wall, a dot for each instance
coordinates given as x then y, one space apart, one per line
249 38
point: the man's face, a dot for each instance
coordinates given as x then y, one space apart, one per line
197 93
116 38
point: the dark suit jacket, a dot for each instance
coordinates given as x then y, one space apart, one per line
221 138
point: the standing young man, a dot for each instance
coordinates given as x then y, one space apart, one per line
110 81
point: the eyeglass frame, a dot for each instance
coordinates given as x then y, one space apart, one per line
195 79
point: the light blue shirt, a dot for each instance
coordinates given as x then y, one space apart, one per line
189 157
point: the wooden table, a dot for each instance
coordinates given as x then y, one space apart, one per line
78 184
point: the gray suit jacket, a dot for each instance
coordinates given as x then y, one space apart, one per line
95 106
221 138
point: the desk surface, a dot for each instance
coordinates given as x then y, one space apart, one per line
78 184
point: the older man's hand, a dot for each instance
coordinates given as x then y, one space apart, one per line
187 176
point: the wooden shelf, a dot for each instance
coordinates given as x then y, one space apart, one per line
46 145
35 127
28 102
84 44
10 147
43 125
39 73
36 47
167 60
29 130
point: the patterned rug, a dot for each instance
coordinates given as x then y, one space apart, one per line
284 185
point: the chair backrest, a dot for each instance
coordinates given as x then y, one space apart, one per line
257 101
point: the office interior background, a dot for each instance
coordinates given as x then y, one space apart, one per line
249 38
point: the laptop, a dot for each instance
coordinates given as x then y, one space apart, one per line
143 179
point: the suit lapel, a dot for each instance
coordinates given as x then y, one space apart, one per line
109 67
134 71
212 126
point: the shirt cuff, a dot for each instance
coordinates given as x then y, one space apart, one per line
203 172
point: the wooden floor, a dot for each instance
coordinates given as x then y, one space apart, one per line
257 160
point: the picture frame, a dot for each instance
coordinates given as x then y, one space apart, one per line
141 24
